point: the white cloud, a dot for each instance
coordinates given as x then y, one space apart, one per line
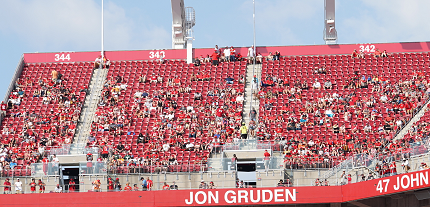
387 21
75 25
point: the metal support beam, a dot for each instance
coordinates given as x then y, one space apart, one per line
358 204
330 33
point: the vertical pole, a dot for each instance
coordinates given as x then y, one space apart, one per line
253 65
102 51
253 16
189 50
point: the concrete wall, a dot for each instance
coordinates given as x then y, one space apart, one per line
225 179
50 183
184 181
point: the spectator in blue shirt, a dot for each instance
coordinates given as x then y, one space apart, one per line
12 164
144 185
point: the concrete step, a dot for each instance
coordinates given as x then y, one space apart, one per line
411 123
90 105
248 91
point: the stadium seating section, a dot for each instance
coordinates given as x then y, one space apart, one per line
315 122
418 134
123 93
367 101
42 113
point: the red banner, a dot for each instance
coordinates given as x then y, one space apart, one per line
385 186
112 55
241 196
182 53
250 196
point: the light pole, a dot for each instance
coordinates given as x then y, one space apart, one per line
102 51
253 64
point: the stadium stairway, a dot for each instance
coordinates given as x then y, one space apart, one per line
249 103
409 125
333 175
90 106
216 163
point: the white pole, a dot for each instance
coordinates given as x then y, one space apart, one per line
253 66
102 51
253 16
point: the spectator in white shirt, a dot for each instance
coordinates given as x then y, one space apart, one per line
138 94
189 146
170 116
367 128
384 99
399 123
216 49
190 108
67 140
123 86
166 147
45 100
316 85
328 84
239 98
97 62
55 159
405 165
227 54
18 186
329 113
259 58
251 54
58 189
55 162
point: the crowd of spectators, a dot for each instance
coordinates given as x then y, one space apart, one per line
363 111
229 54
376 54
194 128
28 132
357 115
420 131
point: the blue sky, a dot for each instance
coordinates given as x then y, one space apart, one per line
65 25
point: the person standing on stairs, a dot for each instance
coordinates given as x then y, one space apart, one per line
251 54
252 126
89 158
233 162
243 131
232 54
106 62
252 121
253 114
254 86
227 54
97 62
266 160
